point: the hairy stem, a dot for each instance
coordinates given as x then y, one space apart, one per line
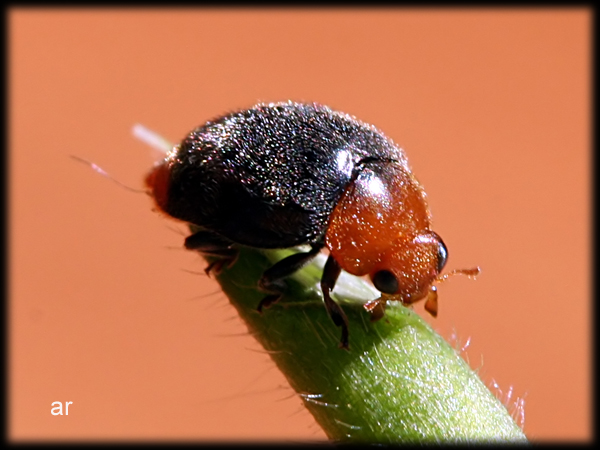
399 381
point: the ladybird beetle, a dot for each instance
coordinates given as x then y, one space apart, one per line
280 175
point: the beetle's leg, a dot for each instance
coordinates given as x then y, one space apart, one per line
431 302
211 244
272 279
376 308
331 272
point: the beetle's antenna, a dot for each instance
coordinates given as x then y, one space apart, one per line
471 273
102 172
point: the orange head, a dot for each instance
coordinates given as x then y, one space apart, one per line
409 267
381 228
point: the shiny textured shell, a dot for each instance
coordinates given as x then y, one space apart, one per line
270 176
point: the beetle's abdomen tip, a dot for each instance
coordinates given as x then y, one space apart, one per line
158 182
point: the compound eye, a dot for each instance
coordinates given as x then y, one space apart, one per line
442 255
386 282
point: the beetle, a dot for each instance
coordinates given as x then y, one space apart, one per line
280 175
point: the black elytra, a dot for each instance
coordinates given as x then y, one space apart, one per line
270 177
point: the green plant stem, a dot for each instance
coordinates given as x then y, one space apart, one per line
398 382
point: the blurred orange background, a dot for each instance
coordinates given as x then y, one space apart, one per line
491 105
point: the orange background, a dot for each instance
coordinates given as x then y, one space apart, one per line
491 106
